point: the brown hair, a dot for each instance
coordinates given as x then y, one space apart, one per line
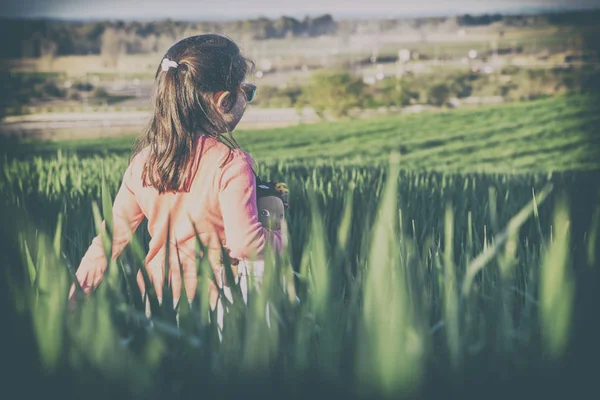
183 106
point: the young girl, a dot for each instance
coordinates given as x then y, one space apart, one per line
187 174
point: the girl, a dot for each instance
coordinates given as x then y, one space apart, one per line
185 172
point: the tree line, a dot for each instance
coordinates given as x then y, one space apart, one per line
39 38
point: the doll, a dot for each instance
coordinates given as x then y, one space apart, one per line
272 202
271 198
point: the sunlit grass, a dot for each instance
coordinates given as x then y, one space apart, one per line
537 136
392 275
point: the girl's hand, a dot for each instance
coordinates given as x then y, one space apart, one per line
233 263
88 279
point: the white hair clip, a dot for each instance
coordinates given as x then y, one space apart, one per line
166 64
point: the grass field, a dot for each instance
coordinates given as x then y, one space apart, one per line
469 258
554 134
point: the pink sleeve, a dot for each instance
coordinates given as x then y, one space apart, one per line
244 234
127 215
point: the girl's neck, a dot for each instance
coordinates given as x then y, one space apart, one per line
228 140
231 142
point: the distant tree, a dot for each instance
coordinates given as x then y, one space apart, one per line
336 92
461 85
396 92
286 27
438 95
323 25
485 19
112 46
48 50
263 28
91 38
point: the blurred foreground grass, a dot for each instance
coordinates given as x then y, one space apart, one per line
411 282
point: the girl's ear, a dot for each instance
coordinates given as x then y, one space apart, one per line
223 101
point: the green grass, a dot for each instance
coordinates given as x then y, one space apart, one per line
554 134
464 259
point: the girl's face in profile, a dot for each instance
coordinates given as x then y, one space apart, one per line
237 111
232 109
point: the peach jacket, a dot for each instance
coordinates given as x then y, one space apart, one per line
220 201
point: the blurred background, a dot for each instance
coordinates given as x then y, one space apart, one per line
72 64
471 257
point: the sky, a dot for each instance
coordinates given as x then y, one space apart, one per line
242 9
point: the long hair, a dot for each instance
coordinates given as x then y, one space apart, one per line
183 106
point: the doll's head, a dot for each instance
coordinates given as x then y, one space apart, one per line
271 201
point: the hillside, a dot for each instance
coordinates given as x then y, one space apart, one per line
550 134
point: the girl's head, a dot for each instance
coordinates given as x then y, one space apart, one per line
199 90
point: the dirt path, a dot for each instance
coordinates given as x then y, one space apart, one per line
54 126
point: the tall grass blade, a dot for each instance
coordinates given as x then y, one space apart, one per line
513 226
557 287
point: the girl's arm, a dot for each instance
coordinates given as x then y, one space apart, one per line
127 215
246 237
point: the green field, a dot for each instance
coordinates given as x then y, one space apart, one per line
467 256
554 134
